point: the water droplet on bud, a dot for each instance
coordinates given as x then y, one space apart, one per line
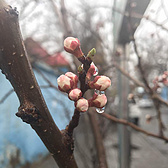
99 92
100 110
96 71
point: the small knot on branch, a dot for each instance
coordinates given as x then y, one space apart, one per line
29 115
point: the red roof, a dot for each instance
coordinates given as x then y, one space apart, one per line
57 59
35 50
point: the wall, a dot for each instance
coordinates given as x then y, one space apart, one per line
18 142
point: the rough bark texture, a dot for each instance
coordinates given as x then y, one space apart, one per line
17 69
98 139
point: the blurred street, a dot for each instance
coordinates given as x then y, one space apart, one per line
153 127
152 152
147 152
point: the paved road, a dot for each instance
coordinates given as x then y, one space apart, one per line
153 127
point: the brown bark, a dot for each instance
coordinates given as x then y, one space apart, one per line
17 69
98 139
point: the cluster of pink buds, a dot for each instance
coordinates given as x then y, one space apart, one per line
69 82
160 81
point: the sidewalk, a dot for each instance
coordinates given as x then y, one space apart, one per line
146 155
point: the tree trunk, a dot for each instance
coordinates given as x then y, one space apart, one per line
17 69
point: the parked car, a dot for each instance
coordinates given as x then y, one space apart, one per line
145 103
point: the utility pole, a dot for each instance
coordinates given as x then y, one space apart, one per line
123 112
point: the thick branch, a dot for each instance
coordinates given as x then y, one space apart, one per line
17 69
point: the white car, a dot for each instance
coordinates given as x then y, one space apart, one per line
145 103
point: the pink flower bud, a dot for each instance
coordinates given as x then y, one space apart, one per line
165 82
72 45
148 118
92 71
82 105
65 84
73 77
164 76
75 94
100 83
166 73
98 101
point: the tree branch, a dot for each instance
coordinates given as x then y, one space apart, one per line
150 91
98 140
17 69
135 127
6 96
138 83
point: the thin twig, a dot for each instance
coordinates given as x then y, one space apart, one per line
143 73
126 14
83 87
6 95
98 140
138 83
135 127
151 92
46 79
74 122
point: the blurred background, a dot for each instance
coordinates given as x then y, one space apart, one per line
130 38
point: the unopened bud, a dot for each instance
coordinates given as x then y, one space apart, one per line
65 84
73 77
80 68
164 76
72 45
148 118
92 71
82 105
98 101
166 73
75 94
100 83
91 53
165 82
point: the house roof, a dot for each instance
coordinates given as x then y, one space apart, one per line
36 51
125 26
125 31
